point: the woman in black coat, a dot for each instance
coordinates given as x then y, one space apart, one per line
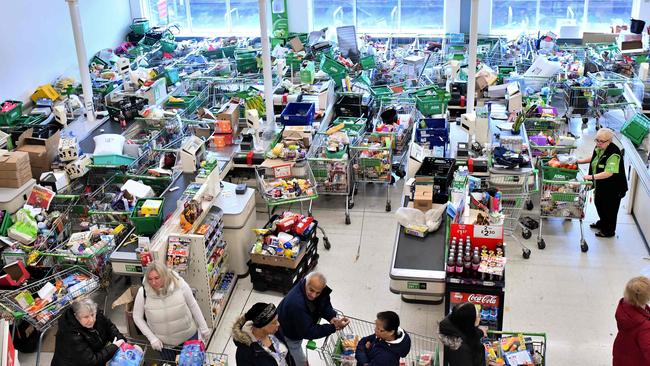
460 335
257 338
85 337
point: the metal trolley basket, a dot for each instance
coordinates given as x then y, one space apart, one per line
152 357
515 193
372 161
332 349
332 173
563 195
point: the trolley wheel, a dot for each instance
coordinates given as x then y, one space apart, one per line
541 244
583 246
526 234
326 243
585 120
388 207
567 118
400 173
347 220
529 205
526 253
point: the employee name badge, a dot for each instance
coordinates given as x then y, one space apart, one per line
282 171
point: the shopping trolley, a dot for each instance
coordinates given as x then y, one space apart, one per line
332 172
332 350
610 95
152 357
563 195
515 193
372 161
534 343
578 100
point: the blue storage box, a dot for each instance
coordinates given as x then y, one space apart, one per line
433 122
431 132
298 114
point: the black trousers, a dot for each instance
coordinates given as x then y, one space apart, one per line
607 204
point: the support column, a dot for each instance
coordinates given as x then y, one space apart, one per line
266 63
471 65
82 59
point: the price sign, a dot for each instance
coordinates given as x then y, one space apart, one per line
282 171
488 232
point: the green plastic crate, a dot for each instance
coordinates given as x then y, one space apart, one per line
168 45
557 174
353 126
293 61
430 104
147 225
332 67
8 118
188 103
336 155
171 76
368 62
140 26
113 159
563 197
636 128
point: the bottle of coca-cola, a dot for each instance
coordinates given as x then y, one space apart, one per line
451 266
468 242
459 265
476 263
467 264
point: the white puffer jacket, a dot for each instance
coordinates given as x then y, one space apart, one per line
173 318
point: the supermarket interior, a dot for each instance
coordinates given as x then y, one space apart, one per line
336 183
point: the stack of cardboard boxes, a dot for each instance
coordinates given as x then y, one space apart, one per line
15 169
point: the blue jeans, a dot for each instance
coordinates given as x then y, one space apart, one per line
297 351
169 354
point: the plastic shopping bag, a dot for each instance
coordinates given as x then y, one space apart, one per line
127 355
192 354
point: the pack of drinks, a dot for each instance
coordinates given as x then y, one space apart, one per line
465 261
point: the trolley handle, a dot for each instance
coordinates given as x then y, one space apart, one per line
565 182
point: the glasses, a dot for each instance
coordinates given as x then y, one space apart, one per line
600 141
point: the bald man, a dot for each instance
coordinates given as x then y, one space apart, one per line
300 313
607 172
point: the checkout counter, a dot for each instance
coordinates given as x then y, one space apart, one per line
638 184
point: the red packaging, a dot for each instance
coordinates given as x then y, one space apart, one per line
303 225
287 223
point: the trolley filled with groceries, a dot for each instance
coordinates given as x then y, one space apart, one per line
339 348
515 348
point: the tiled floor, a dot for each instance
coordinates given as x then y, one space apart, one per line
567 294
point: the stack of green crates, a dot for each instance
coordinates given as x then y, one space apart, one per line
336 70
246 60
431 100
147 225
636 128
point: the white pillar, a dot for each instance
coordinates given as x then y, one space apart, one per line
471 65
82 59
266 63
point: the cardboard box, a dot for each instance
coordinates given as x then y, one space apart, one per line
230 112
630 45
127 299
42 151
295 133
15 169
423 199
592 37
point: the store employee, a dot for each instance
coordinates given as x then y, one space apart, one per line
607 172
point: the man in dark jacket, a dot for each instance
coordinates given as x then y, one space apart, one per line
301 311
387 345
85 337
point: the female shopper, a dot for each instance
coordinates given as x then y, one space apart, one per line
85 337
257 338
387 345
460 335
607 173
632 343
166 312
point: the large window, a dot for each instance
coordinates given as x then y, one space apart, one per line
211 17
381 16
515 16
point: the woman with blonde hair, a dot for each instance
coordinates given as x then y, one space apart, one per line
632 343
166 312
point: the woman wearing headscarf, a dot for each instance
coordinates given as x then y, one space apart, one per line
607 172
460 335
258 340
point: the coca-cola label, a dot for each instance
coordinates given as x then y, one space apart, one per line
478 299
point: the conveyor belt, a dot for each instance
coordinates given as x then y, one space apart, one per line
88 144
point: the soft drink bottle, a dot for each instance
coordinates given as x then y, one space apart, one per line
476 263
467 265
459 265
451 266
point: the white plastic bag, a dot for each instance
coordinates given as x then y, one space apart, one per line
410 216
433 217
